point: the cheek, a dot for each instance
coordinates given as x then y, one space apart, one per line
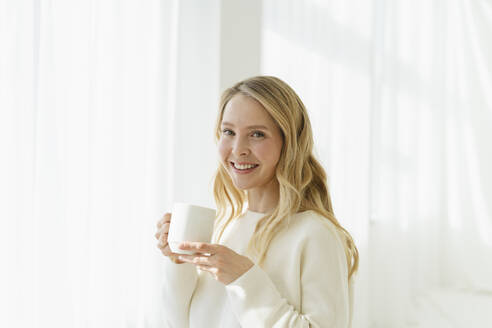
223 150
268 153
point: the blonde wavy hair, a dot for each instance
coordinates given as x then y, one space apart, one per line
301 178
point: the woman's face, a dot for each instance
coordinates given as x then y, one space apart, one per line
250 143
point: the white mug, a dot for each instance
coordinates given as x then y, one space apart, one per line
190 223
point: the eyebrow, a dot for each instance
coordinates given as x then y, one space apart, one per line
248 127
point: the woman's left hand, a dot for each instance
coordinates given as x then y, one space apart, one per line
222 262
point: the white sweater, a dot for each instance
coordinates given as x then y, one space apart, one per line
302 283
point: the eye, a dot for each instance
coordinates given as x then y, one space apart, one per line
258 134
227 132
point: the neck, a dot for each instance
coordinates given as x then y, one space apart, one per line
264 199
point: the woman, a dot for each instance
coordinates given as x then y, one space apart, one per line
280 258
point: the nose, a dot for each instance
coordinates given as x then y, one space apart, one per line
241 147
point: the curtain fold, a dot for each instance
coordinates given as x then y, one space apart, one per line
106 117
101 104
83 88
398 94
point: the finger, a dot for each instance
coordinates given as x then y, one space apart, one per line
210 269
205 268
160 223
166 251
175 259
163 238
197 260
162 241
199 247
163 230
162 244
165 218
173 256
165 227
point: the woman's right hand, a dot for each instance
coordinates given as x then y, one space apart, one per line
161 236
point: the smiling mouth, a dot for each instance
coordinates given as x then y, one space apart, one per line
244 167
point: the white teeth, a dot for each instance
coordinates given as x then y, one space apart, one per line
243 167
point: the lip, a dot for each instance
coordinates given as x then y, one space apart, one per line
243 171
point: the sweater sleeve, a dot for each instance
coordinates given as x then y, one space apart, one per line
178 286
324 288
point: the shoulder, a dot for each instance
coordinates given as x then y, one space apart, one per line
311 223
312 242
310 227
320 244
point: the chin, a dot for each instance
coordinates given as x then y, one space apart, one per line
242 186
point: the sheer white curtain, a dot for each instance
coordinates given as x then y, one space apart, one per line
106 117
399 96
91 93
432 195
